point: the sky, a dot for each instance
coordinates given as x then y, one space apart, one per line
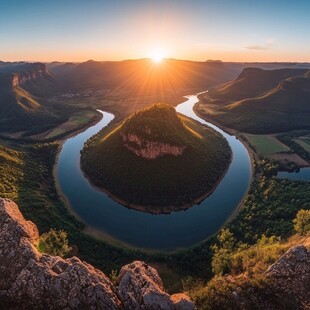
229 30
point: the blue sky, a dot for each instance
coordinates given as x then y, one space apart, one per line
75 30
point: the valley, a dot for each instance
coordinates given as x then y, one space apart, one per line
29 157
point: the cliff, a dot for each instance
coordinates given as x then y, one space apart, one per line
38 70
18 74
150 149
31 280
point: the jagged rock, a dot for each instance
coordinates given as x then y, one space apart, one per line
291 275
147 290
31 280
182 302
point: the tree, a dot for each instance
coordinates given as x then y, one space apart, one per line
221 260
302 222
54 242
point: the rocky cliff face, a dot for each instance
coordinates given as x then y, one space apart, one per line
38 70
150 149
290 275
30 280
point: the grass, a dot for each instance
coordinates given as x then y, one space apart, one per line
246 278
77 120
266 144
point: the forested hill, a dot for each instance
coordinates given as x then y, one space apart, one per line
261 101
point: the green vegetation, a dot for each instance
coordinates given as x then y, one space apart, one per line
244 273
270 209
302 222
304 143
54 242
167 180
266 145
76 121
261 101
221 260
289 140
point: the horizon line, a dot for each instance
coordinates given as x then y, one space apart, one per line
148 58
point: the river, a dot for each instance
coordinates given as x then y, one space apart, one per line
164 232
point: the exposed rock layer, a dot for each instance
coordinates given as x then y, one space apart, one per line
30 280
150 149
21 78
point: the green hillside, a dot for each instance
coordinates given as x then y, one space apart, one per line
196 159
263 107
27 100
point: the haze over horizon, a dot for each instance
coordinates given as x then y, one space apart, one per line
116 30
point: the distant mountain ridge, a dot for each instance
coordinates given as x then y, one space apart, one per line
33 96
262 101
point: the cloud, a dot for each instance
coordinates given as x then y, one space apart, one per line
257 47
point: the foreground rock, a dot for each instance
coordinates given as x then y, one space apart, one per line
291 275
285 285
147 289
30 280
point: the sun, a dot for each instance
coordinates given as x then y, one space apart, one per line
157 55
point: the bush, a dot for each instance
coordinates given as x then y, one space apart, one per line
221 260
54 242
302 222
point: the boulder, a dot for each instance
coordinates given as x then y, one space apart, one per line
147 290
291 275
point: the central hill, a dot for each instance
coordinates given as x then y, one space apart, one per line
157 161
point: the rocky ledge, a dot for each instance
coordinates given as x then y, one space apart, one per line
31 280
150 149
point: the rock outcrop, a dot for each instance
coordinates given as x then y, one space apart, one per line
290 275
20 78
31 280
147 289
285 285
150 149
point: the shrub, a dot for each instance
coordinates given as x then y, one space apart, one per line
54 242
302 222
221 260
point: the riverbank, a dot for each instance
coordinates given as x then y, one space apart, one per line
254 158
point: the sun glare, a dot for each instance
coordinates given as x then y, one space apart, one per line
157 55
